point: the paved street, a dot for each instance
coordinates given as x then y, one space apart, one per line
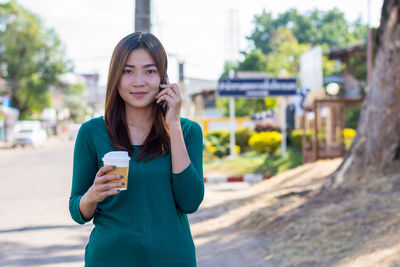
35 226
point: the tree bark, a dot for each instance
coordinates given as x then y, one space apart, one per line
377 144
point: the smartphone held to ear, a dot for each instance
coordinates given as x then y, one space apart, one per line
163 104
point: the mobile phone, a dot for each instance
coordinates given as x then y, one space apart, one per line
163 104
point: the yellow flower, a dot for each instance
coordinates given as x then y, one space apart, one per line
349 133
237 149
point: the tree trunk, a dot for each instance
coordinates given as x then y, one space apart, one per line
377 144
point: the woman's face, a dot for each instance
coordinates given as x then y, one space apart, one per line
140 80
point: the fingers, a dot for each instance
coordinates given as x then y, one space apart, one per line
101 189
104 170
170 95
108 177
109 187
174 87
165 97
111 193
166 91
103 194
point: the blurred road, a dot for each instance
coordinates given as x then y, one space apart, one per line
35 225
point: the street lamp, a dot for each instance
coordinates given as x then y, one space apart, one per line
332 89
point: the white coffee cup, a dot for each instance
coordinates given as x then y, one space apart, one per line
119 159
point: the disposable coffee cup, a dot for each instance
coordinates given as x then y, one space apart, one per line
120 159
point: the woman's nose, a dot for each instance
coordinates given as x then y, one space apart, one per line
138 80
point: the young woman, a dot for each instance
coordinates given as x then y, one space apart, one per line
145 225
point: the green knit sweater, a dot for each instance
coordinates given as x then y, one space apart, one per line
145 225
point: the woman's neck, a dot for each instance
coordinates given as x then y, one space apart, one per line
139 117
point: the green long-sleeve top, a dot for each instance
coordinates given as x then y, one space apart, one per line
146 225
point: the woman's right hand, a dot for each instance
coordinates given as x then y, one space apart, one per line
100 188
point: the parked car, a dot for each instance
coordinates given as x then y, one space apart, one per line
29 133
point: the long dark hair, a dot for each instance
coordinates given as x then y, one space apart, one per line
157 141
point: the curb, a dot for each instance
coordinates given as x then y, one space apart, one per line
248 178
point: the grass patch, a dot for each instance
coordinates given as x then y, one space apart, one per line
252 162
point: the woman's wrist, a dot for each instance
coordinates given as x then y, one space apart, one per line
87 207
87 199
174 127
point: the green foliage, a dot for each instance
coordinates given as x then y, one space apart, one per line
265 142
285 54
31 58
253 61
251 162
270 102
243 107
275 164
217 143
352 116
242 137
284 58
296 137
314 27
330 67
357 64
75 101
228 66
279 42
358 67
220 137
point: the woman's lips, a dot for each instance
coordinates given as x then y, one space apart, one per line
139 94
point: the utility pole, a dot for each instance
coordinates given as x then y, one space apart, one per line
232 139
142 15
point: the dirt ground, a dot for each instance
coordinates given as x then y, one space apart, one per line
287 221
283 221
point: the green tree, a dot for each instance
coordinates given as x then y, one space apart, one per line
31 58
75 102
315 27
253 61
229 65
285 54
284 58
243 106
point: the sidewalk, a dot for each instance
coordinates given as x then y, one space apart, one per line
5 145
247 178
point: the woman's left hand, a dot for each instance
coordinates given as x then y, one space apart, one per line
171 95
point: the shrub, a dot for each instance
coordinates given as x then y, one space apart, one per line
296 137
242 137
237 149
218 137
221 151
352 116
217 144
265 142
348 136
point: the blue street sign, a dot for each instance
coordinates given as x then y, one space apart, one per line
256 87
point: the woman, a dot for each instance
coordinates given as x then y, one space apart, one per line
145 225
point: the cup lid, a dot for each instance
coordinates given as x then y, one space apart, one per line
117 156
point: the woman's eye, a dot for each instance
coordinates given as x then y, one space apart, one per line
151 71
127 71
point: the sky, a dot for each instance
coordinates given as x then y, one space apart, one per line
195 32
